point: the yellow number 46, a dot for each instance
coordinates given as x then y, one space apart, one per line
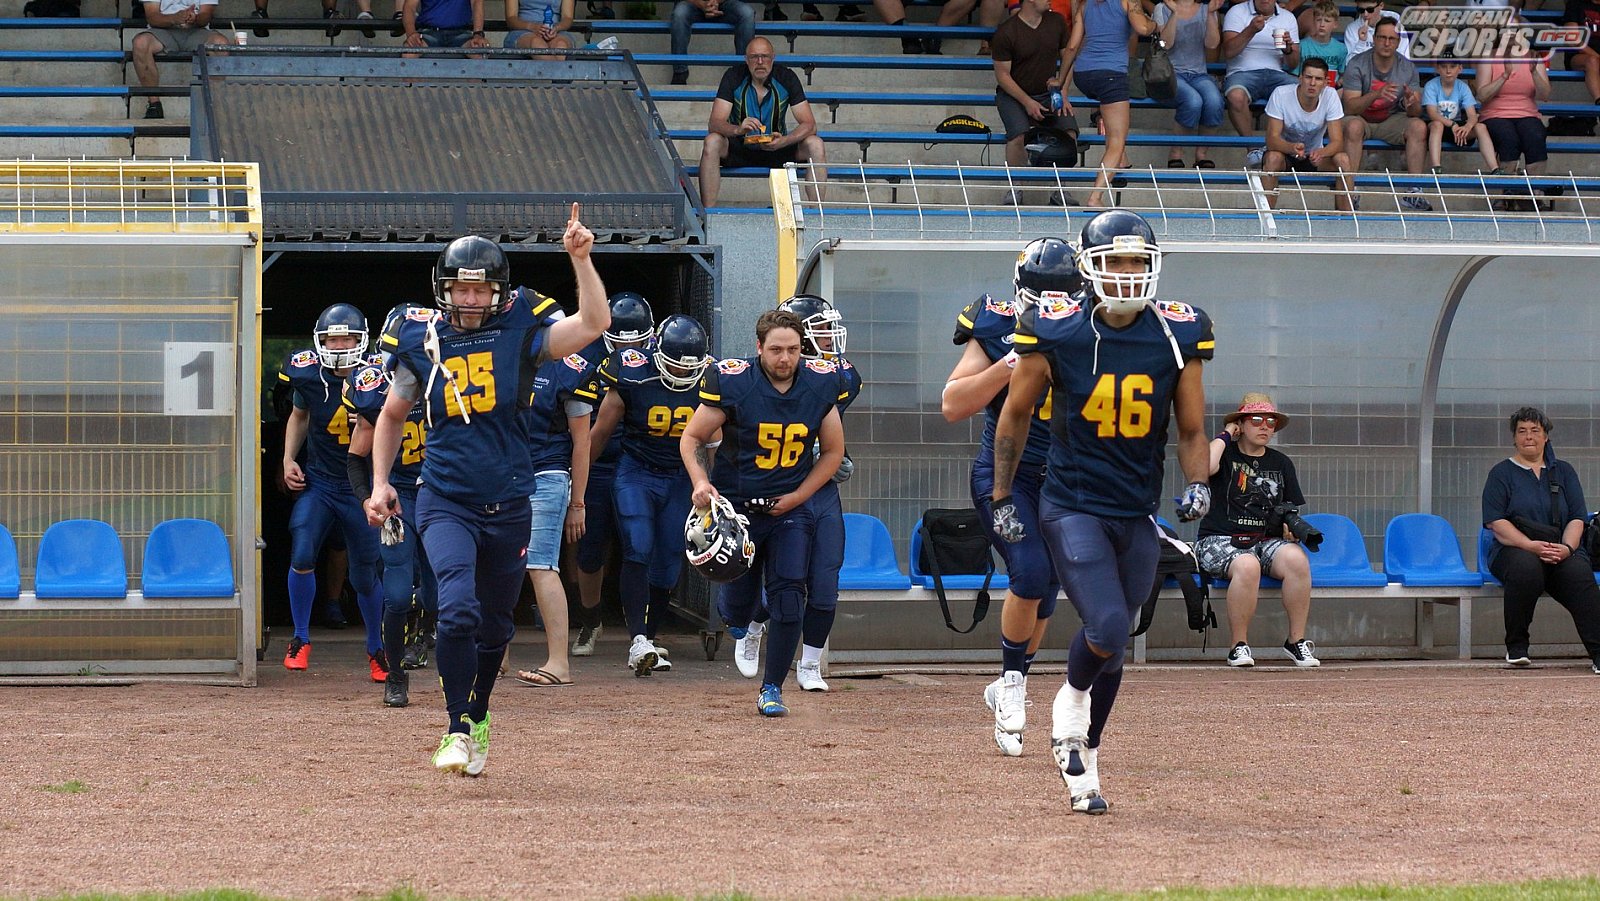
1128 419
782 445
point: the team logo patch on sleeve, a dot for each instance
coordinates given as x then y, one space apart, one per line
576 362
1058 307
998 307
732 367
822 366
420 314
631 357
368 379
303 359
1177 312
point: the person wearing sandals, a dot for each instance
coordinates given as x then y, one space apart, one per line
1100 33
1192 32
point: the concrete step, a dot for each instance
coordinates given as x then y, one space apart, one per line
64 148
54 110
53 73
60 39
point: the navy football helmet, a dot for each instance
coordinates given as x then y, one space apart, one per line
1047 270
1119 233
632 321
339 320
681 351
472 259
825 333
717 542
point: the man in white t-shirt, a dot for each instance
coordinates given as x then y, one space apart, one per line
1298 119
175 26
1358 34
1261 43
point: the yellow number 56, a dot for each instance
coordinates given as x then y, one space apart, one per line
782 444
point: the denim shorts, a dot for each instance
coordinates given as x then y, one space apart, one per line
1258 84
552 489
1103 85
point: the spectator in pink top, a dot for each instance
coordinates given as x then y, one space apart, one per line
1509 94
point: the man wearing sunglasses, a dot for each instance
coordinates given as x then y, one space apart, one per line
1247 479
1358 35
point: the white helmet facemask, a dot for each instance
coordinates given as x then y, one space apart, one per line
1122 292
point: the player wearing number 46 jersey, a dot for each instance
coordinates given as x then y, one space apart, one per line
1118 370
769 409
653 396
472 369
321 425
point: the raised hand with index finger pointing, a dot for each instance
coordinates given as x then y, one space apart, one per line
578 239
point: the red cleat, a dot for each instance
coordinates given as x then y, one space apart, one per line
379 666
299 655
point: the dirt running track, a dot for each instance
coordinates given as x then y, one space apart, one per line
616 786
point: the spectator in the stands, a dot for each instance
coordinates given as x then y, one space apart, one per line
1099 67
953 12
1359 35
526 28
1261 43
443 23
1192 32
174 26
330 10
1586 59
686 13
1510 94
1383 100
749 121
1032 57
1320 42
1452 115
848 12
1298 120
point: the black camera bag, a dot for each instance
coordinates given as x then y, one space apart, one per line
956 543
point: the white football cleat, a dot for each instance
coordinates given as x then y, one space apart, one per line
642 656
809 675
747 650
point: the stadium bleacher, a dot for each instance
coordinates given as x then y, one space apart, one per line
71 90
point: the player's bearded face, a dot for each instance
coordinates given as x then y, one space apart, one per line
780 353
472 301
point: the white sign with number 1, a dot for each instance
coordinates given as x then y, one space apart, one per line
198 378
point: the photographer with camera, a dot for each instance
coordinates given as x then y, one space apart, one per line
1254 527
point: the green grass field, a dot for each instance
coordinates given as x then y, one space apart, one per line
1538 890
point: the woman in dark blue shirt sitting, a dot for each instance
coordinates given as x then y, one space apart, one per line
1534 505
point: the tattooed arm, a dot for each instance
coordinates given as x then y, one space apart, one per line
1028 383
695 449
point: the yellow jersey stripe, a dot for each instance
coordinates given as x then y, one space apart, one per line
1206 345
1024 339
710 398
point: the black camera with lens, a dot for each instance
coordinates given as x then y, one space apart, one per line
1281 515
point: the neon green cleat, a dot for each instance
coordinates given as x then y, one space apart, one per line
454 754
478 748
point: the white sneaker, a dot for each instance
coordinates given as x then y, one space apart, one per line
583 645
1011 708
454 753
642 656
747 651
1301 652
1252 160
1412 200
1069 734
1240 656
1009 743
809 675
663 665
1084 790
1519 660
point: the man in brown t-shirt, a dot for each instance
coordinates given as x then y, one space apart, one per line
1031 59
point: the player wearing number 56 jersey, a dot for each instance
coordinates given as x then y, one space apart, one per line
321 424
1117 371
769 409
653 396
472 368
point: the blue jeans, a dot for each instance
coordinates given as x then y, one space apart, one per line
547 515
734 12
1198 99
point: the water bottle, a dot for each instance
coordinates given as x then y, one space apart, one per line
549 16
1056 102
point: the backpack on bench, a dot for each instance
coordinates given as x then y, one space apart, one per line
956 543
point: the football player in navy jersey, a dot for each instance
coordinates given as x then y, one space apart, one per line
632 326
1046 272
407 578
1119 370
769 410
565 393
321 425
472 364
652 396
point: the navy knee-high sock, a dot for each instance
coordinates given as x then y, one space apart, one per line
633 584
457 659
394 635
1101 700
816 625
371 604
483 684
1027 662
660 600
1083 665
1013 656
302 594
783 639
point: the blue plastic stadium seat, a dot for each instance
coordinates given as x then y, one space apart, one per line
1420 550
10 573
81 558
188 558
1341 561
869 561
951 583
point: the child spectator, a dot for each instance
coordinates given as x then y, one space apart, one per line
1320 41
1451 110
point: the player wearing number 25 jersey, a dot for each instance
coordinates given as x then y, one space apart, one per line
770 409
